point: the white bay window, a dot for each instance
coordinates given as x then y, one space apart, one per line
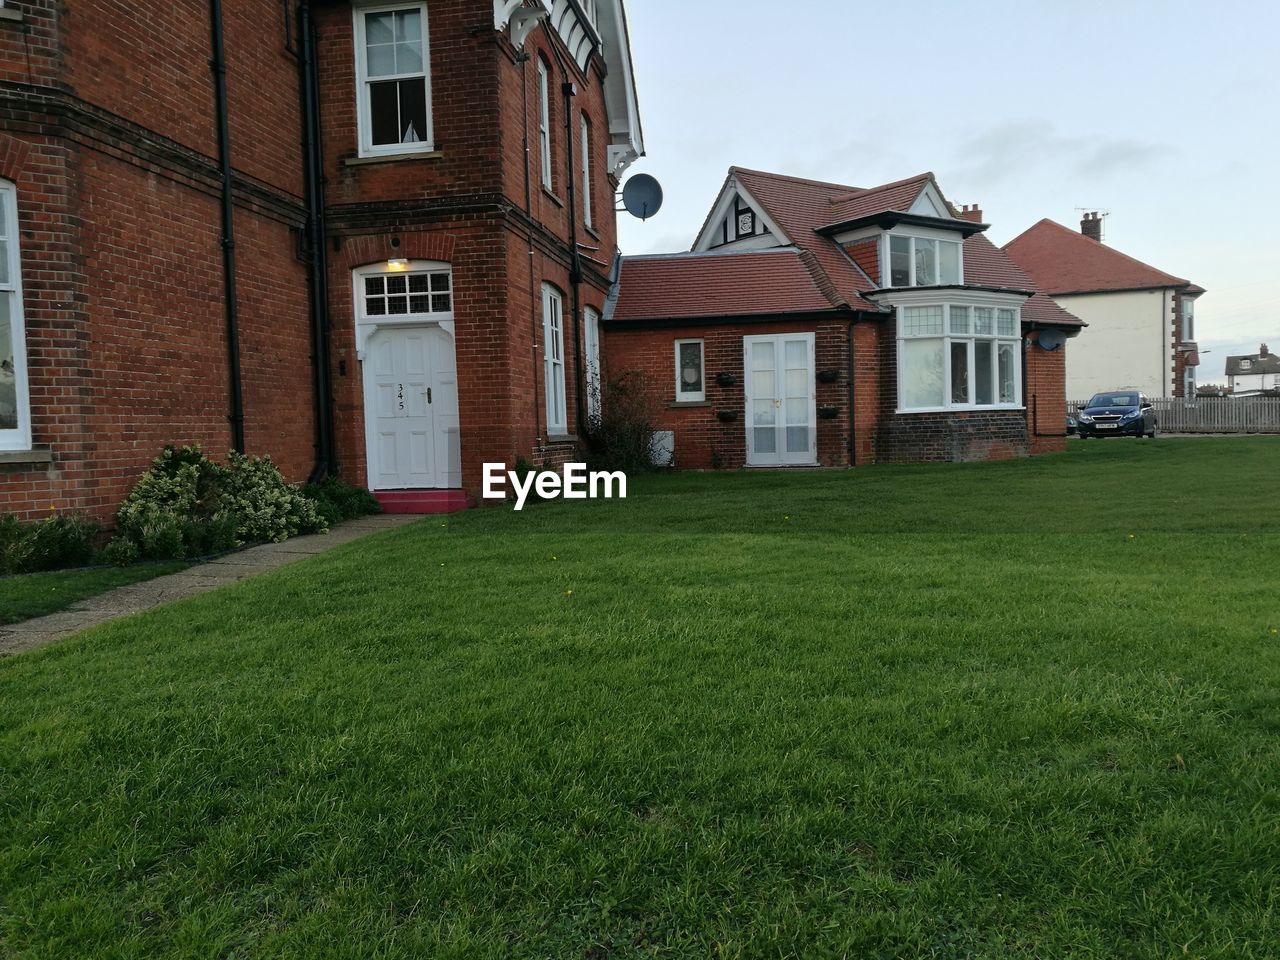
955 356
923 262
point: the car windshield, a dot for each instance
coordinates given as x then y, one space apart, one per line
1114 400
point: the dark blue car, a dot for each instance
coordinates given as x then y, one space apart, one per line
1121 413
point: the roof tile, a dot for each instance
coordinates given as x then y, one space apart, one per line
1062 260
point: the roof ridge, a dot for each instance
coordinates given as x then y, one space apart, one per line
1178 281
715 252
863 191
821 280
791 179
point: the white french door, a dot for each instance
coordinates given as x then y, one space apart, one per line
781 409
411 409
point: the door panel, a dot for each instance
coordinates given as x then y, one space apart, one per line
780 400
411 404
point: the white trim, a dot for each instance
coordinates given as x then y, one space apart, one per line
691 396
544 123
706 239
585 148
780 457
936 205
367 326
364 108
591 334
18 438
553 360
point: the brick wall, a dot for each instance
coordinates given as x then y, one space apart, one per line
1046 397
948 437
703 441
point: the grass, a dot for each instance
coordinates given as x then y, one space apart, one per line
36 594
1024 709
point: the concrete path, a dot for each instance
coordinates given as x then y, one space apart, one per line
18 637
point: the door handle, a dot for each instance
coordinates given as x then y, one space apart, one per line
428 394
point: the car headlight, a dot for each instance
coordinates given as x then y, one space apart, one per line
1132 415
1085 418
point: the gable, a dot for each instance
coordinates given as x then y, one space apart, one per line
930 203
738 222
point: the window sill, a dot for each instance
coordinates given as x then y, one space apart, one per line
552 197
1005 408
8 13
393 158
26 456
562 438
591 230
679 404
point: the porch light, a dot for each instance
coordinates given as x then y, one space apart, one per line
397 263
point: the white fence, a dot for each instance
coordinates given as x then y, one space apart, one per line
1213 414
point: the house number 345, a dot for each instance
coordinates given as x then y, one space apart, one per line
400 394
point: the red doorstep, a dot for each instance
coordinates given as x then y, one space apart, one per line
423 501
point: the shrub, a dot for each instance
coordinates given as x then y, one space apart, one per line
621 435
187 505
337 501
52 544
265 506
120 552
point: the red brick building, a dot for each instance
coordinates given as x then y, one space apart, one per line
375 239
819 324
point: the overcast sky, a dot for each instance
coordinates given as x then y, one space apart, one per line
1166 114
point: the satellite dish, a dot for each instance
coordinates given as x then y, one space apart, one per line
642 196
1051 340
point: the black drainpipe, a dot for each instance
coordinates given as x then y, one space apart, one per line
853 422
575 259
317 260
219 66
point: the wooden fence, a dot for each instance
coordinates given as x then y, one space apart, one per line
1213 414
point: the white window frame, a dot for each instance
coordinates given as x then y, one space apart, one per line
887 258
1188 318
586 171
691 396
1246 364
19 437
553 366
947 338
364 102
544 123
368 323
591 332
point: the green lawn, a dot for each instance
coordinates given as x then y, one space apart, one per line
35 594
1025 709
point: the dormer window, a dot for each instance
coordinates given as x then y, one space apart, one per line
923 262
1246 364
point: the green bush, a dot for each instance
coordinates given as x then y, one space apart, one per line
120 552
337 501
187 505
55 543
621 435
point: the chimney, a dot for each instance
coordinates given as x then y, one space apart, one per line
971 211
1263 351
1091 226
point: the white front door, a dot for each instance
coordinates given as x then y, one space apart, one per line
781 414
411 409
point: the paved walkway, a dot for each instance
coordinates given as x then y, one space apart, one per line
123 601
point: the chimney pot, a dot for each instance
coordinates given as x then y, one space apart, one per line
1091 226
971 211
1263 351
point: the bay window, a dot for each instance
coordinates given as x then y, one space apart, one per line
958 356
923 262
15 415
393 79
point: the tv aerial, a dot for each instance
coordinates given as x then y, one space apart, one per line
642 196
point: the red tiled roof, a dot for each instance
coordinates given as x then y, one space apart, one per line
897 196
799 207
1062 260
986 265
696 285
